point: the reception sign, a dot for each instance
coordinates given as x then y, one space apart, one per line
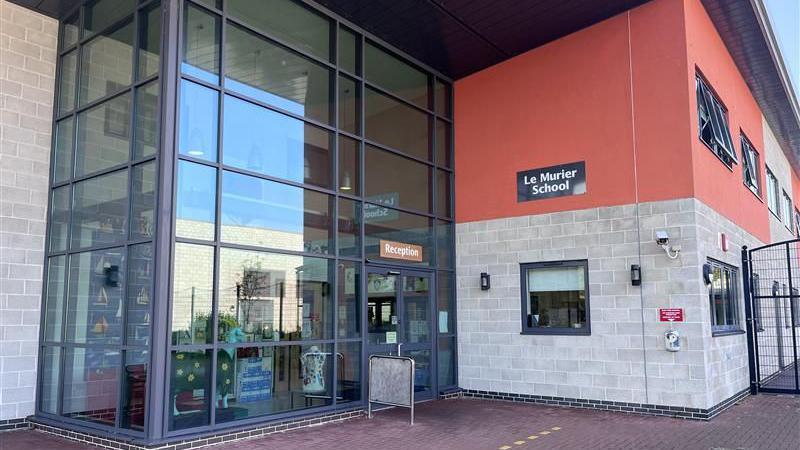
401 250
550 182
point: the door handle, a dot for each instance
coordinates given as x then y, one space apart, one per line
398 348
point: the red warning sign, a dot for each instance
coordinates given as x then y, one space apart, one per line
670 314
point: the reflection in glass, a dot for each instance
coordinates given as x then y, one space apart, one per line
349 228
103 135
100 14
349 372
195 210
59 219
149 41
273 297
395 75
444 244
267 72
396 226
134 389
348 303
67 80
396 125
446 303
55 295
349 117
348 50
106 64
198 116
100 207
147 127
265 141
444 194
140 294
95 303
275 215
442 93
70 31
201 44
416 309
383 183
50 382
447 362
91 384
422 369
143 198
193 276
381 308
62 155
349 166
190 388
443 157
288 21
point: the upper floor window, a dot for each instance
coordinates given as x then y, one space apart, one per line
796 222
787 210
555 297
750 166
772 193
713 123
724 298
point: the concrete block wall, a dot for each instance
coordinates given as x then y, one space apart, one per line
27 70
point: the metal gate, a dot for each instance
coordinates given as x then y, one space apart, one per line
772 308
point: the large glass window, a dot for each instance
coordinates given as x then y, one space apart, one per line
724 298
190 388
201 32
68 81
100 210
555 298
397 125
149 45
54 299
146 133
395 75
192 288
198 116
106 64
91 384
104 136
397 181
195 208
62 154
385 226
95 303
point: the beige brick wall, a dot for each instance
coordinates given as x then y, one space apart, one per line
27 70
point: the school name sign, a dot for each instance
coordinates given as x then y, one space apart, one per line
550 182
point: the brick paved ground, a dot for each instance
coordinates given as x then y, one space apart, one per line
762 422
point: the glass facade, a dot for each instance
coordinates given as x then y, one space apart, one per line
301 148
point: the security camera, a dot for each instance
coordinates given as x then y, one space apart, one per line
662 238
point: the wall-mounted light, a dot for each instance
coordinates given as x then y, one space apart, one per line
636 275
486 281
346 183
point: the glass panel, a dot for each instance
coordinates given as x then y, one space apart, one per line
444 194
69 32
211 3
104 135
349 372
260 69
447 362
274 297
349 105
422 369
385 226
348 300
106 64
395 75
444 244
51 383
349 228
382 308
446 303
198 116
95 303
146 134
149 41
140 291
196 201
192 287
383 184
91 385
396 125
134 389
100 209
275 215
143 198
442 92
416 309
265 141
62 156
190 389
258 381
288 21
201 44
349 166
443 146
557 297
59 218
348 50
67 82
54 301
100 14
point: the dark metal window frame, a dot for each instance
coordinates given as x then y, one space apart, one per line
786 210
524 298
750 166
773 194
734 297
713 121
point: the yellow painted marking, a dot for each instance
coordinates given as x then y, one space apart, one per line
505 447
533 437
544 433
555 428
519 442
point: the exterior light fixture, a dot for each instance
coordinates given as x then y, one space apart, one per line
486 281
636 275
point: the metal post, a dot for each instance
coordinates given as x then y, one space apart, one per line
791 318
749 320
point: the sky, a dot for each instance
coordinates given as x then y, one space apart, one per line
784 15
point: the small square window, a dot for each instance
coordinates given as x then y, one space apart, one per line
713 123
555 297
724 298
750 161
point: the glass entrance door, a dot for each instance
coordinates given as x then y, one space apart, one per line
399 312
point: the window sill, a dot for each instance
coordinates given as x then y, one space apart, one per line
726 333
557 332
755 193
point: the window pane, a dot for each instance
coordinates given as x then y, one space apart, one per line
443 99
201 44
348 300
447 362
275 215
443 146
383 185
265 141
446 303
416 316
134 389
51 383
265 71
67 82
102 13
143 198
349 105
384 225
91 384
395 75
140 290
556 297
55 296
349 228
274 297
59 218
149 41
62 156
288 21
147 115
349 372
100 208
396 125
444 194
103 135
348 50
106 64
349 166
444 244
198 116
196 202
69 32
94 306
193 276
190 388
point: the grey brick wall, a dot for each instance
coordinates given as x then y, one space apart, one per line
27 68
